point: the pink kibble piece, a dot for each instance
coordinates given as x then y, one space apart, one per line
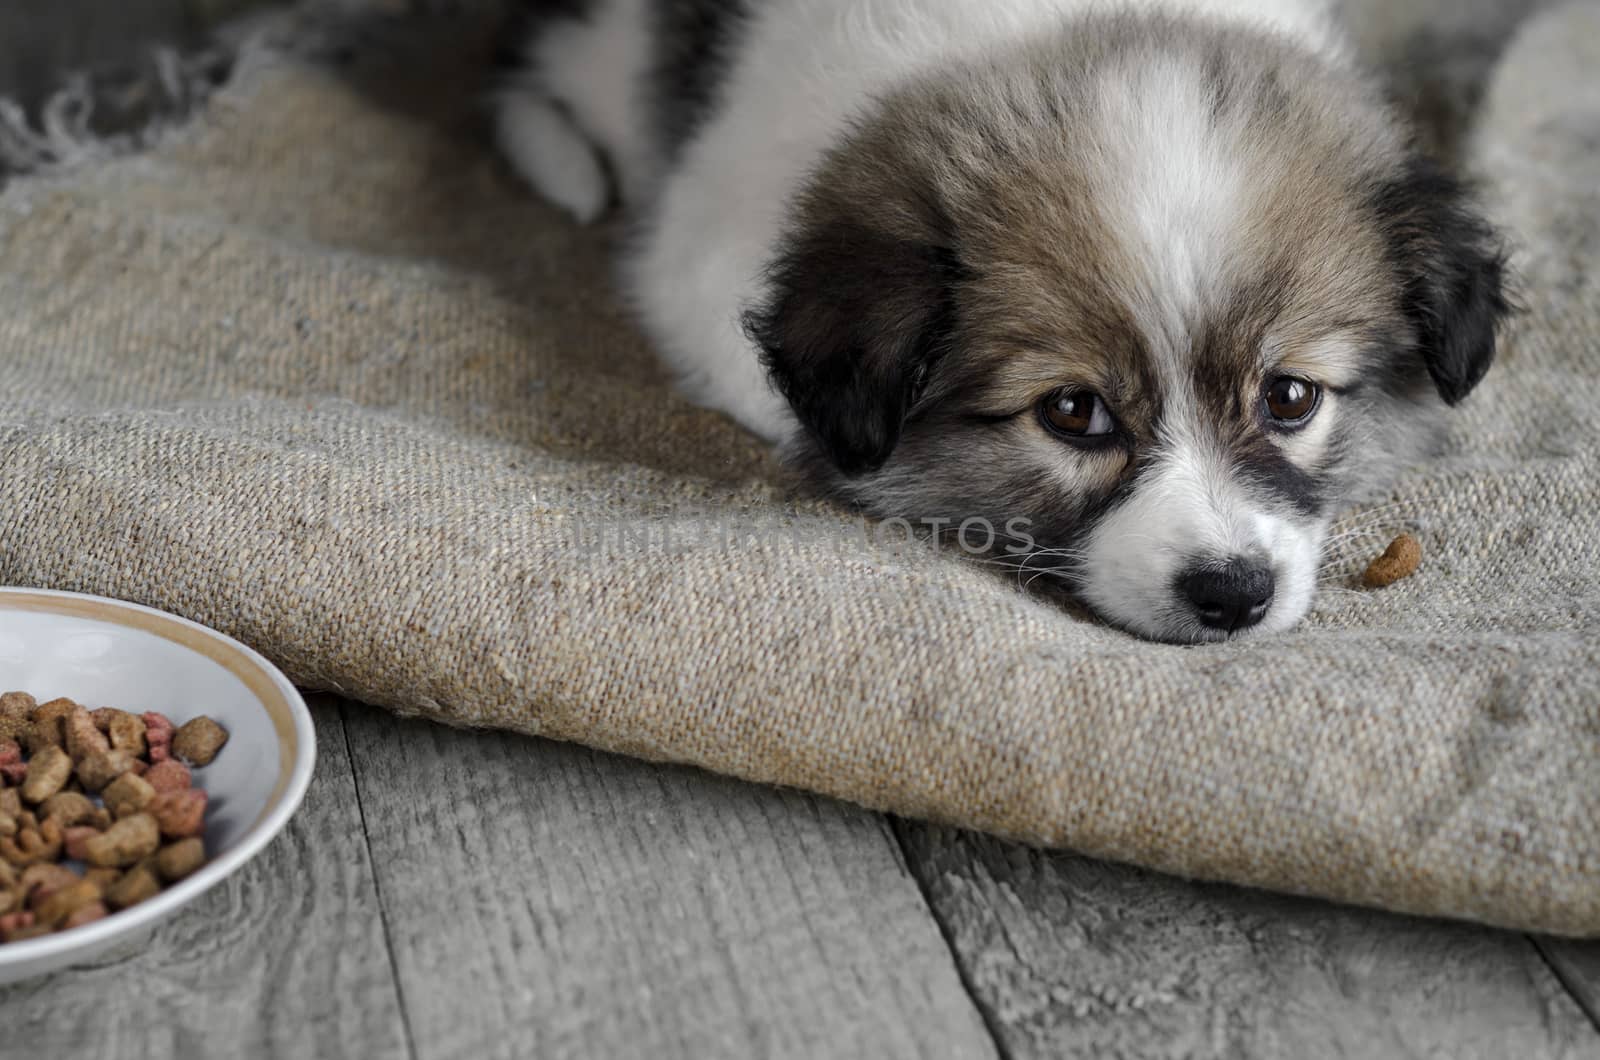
171 775
179 813
158 730
74 839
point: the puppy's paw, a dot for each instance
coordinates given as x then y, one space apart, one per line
552 155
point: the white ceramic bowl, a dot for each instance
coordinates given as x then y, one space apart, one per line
104 653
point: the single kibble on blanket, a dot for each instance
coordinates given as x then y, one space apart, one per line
104 789
1400 560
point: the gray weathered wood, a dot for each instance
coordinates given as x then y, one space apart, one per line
1072 957
1577 964
286 959
546 900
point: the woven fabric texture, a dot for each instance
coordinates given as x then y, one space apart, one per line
317 371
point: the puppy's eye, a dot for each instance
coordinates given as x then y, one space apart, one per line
1291 401
1078 414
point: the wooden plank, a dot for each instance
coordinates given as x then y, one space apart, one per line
1072 957
287 958
547 900
1577 965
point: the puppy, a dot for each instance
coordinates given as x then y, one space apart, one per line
1162 281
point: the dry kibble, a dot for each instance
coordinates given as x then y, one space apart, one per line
158 730
32 844
199 740
180 813
86 914
13 727
12 768
1400 560
80 736
75 841
135 885
100 769
126 732
57 905
15 927
177 860
69 807
171 775
106 788
127 794
46 730
129 840
48 770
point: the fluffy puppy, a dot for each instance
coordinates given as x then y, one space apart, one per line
1161 282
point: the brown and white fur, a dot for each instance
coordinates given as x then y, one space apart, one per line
1058 264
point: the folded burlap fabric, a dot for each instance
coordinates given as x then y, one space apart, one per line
316 371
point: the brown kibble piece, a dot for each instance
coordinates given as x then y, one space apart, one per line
103 876
125 842
80 736
13 926
126 732
45 877
48 770
1400 560
61 903
177 860
32 845
127 794
75 841
199 740
137 884
46 730
10 802
17 704
69 807
180 814
86 914
171 775
98 770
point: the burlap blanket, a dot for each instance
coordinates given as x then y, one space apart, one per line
315 370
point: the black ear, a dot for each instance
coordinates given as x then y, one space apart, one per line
854 319
1454 273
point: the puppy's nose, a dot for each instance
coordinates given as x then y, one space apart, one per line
1233 597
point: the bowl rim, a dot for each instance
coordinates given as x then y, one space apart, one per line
281 804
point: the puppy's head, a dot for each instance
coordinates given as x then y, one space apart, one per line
1157 300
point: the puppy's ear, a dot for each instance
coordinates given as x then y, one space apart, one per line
855 317
1454 273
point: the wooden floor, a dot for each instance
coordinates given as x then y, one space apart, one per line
455 894
451 894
